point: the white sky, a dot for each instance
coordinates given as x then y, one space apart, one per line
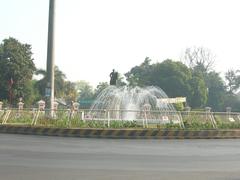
95 36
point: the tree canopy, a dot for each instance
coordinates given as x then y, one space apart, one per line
196 79
175 78
16 69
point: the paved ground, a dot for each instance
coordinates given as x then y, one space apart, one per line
56 158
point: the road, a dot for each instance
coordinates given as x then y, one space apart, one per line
25 157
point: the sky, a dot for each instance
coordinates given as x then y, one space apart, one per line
95 36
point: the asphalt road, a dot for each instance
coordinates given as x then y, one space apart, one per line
24 157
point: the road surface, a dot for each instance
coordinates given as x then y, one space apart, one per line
25 157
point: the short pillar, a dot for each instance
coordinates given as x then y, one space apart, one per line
146 108
207 111
41 105
20 104
75 106
188 109
1 104
55 106
228 111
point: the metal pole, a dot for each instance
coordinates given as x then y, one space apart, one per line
50 59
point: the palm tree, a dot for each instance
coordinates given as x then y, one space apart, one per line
59 82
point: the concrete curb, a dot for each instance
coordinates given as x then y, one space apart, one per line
122 133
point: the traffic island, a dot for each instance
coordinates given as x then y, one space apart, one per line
121 133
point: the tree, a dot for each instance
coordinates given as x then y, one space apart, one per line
233 101
173 77
199 58
139 75
31 92
120 80
70 93
201 61
64 90
85 94
233 81
198 97
84 90
216 91
42 82
59 80
16 69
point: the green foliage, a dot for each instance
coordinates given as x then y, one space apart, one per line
16 69
120 80
168 126
198 82
172 77
222 125
196 125
124 124
179 106
140 75
233 81
69 92
199 92
233 101
59 80
191 121
31 92
175 78
62 87
216 91
85 94
75 122
85 90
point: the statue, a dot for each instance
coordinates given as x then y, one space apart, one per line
113 77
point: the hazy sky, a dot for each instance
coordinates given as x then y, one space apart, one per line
95 36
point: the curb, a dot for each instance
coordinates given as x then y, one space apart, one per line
121 133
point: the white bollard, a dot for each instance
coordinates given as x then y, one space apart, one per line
108 119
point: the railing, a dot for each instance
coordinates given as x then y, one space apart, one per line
121 118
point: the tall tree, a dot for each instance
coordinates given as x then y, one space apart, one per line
16 69
199 58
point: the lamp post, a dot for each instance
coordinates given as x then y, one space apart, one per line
50 59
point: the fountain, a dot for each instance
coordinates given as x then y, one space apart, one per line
133 103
